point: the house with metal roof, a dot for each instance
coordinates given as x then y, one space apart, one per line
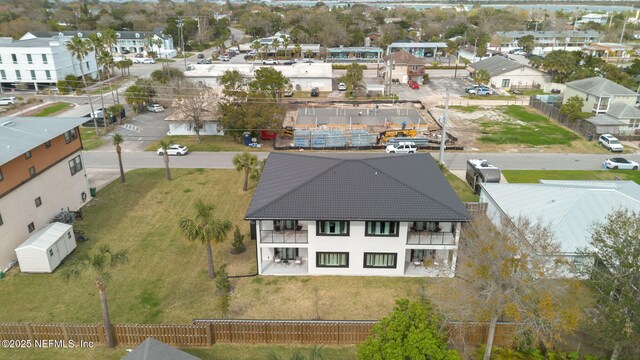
419 49
354 54
356 215
569 208
610 102
41 172
507 73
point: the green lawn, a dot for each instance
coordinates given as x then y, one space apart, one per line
532 176
90 140
52 109
525 128
216 352
207 143
462 189
466 109
114 85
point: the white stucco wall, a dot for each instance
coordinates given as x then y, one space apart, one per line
56 188
522 76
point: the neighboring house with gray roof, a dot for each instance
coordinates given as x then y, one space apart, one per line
41 172
355 214
152 349
610 102
569 208
506 73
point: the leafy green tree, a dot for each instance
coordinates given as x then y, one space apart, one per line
98 264
245 162
116 109
560 64
268 82
233 82
238 115
80 48
238 246
634 68
205 228
507 272
412 331
527 43
573 108
163 76
136 97
164 145
615 280
353 77
481 77
117 140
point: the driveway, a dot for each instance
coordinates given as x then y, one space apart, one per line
140 131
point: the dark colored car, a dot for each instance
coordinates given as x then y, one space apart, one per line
248 56
287 62
205 61
125 51
315 91
200 56
138 55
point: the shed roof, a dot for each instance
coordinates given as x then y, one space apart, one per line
45 237
21 134
355 187
497 65
599 86
152 349
620 110
570 208
604 120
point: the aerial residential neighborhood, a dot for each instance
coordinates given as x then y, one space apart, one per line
333 180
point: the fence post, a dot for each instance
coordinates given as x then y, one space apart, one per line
30 331
65 334
210 340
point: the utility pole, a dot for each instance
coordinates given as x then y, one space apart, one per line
443 137
180 25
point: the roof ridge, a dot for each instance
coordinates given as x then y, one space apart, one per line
297 187
414 189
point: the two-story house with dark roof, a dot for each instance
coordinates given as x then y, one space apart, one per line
356 215
41 172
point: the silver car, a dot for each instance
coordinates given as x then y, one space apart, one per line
174 149
621 164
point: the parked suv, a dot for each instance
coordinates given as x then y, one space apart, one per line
480 90
11 100
402 148
610 143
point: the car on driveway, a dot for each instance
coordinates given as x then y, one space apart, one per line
248 57
287 62
480 90
342 87
174 149
155 108
200 56
621 163
610 143
148 61
223 58
136 60
205 61
138 55
413 84
403 147
269 62
315 91
10 100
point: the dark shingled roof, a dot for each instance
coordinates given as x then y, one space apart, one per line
352 187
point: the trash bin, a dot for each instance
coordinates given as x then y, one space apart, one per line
93 191
589 137
246 138
1 274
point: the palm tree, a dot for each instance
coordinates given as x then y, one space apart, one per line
127 63
80 48
117 140
245 162
255 45
205 228
265 50
164 145
98 263
275 43
481 77
452 49
298 49
354 76
105 60
98 46
286 42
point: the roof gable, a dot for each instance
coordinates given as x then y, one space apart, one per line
497 65
620 110
401 188
599 86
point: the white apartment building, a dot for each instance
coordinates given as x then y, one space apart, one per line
41 172
40 62
132 41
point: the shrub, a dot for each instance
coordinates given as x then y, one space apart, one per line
238 244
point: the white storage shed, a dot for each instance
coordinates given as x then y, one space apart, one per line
45 249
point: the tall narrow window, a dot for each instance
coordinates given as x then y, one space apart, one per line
3 75
29 59
1 222
32 171
18 76
47 144
31 227
33 74
47 74
27 155
75 165
44 59
0 59
14 58
38 201
1 177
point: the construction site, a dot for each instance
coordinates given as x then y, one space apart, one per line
359 126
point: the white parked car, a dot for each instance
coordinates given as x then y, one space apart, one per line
621 163
174 149
342 87
406 147
155 108
148 61
269 62
223 58
136 60
610 143
10 100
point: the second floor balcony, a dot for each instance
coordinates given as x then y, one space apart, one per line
283 232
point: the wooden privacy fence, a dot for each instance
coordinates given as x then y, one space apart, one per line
204 333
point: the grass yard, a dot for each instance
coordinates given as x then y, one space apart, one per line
462 189
52 109
466 109
90 140
165 280
524 128
104 89
216 352
207 143
532 176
